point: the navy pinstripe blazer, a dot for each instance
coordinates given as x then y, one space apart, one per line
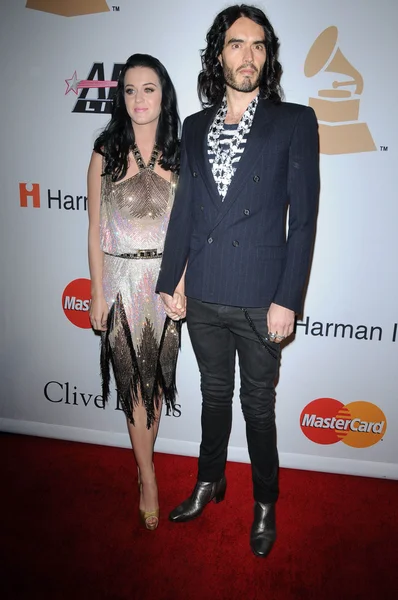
238 252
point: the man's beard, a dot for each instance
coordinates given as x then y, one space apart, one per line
248 85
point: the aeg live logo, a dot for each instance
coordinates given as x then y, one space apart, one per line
95 93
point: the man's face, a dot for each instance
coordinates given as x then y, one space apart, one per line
243 56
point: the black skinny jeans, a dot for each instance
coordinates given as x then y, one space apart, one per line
217 332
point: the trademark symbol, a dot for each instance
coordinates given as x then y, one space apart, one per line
383 148
116 8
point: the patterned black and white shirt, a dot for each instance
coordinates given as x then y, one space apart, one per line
225 143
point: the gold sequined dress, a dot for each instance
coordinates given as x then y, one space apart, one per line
141 342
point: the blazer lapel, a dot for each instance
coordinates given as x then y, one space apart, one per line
201 154
256 140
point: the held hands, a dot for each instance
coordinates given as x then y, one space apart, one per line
280 321
98 313
175 306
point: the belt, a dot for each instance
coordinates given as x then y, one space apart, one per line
152 253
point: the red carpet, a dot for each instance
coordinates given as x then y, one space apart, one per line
70 531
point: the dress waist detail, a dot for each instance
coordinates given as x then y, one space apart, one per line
137 254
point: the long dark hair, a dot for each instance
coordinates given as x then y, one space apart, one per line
211 82
117 139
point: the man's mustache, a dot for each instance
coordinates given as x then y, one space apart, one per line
248 66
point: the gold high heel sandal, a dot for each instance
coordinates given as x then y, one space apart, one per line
149 518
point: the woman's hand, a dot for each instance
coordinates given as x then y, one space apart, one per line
98 313
174 306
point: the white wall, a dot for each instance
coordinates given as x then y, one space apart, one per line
354 274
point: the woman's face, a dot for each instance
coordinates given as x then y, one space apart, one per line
142 95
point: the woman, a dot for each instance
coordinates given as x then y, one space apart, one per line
131 182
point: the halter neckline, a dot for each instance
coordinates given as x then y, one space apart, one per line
140 161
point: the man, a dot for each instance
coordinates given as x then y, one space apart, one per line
245 160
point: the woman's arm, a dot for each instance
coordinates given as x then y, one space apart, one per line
99 307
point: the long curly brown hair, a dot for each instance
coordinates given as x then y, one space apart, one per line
211 81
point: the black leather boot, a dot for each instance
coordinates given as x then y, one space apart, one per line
263 532
203 493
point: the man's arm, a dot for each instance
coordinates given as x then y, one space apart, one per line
303 191
177 242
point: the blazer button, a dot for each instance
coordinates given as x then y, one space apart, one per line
202 208
246 212
194 174
235 243
256 179
210 240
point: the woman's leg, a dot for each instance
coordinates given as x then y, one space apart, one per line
143 441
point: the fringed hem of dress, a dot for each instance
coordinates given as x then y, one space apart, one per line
142 373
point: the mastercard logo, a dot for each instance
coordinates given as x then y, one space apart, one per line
76 302
328 421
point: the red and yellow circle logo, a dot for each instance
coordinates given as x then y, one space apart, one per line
358 424
76 302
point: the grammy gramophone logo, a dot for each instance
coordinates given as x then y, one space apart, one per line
337 108
69 8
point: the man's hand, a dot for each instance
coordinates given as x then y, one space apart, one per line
280 321
175 306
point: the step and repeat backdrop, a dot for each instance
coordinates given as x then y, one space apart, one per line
337 399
